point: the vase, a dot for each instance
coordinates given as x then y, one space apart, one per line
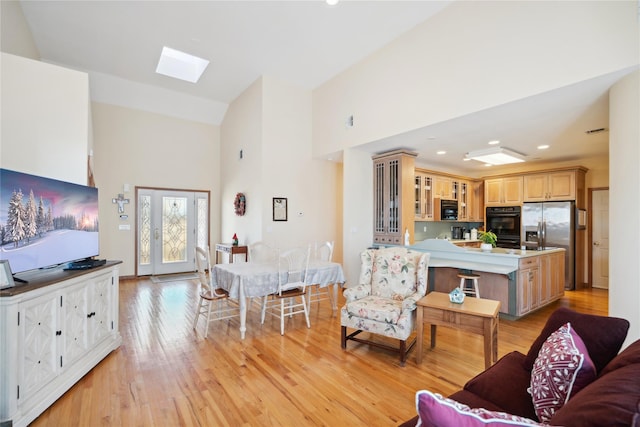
486 247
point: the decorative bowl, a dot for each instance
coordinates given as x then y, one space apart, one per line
456 296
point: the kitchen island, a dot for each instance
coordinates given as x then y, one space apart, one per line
522 281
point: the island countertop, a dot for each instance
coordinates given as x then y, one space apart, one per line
522 281
499 260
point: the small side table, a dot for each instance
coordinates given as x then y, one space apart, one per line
230 249
475 315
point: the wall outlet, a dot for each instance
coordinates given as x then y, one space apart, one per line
425 229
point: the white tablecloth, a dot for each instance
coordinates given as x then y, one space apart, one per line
254 279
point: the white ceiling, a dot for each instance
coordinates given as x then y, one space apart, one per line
305 43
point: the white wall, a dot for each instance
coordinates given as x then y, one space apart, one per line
242 130
271 123
149 150
45 119
624 202
357 211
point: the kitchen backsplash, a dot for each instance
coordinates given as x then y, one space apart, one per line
440 229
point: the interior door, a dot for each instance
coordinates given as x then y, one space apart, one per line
600 245
170 223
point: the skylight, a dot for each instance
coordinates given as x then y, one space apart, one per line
180 65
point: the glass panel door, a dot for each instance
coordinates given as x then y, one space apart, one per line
170 224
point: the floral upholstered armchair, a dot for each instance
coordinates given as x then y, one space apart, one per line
391 281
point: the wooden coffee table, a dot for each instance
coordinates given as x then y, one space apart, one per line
475 315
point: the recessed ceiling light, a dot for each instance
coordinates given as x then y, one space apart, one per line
441 152
494 142
332 2
180 65
542 147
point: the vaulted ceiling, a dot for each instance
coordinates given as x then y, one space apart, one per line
305 43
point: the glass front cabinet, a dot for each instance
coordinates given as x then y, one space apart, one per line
393 197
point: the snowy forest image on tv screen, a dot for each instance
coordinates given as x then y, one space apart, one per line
45 222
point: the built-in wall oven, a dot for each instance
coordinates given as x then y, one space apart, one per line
504 221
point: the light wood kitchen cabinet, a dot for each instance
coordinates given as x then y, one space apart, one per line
463 200
475 197
423 197
445 188
503 191
540 281
528 285
393 196
552 280
550 186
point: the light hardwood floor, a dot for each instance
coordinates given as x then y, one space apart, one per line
165 374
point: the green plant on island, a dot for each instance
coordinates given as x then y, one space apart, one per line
488 237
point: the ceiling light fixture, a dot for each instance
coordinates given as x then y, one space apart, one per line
332 2
494 142
543 147
441 152
496 156
180 65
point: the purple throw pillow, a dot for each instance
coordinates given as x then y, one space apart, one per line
437 411
602 335
562 368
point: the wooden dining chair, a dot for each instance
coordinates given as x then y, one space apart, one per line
289 299
215 303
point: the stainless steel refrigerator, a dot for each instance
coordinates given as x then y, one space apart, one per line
551 225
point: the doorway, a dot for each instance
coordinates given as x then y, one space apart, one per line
169 225
599 238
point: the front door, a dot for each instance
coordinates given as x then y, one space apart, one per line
169 224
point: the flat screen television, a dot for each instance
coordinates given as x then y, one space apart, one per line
45 222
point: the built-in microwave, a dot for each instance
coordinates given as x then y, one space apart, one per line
449 210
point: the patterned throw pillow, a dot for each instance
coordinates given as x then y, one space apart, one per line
562 368
437 411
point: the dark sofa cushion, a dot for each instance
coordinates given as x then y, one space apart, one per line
628 356
474 401
410 423
505 385
612 400
603 336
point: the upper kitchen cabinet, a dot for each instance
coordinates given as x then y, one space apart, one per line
463 200
505 191
475 191
423 197
445 188
393 196
550 186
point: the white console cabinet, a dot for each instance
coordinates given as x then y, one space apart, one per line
54 330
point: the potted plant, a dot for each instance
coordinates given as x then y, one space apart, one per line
488 239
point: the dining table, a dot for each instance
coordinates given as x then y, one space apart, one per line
247 280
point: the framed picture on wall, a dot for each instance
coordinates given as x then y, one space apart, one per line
279 209
6 277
